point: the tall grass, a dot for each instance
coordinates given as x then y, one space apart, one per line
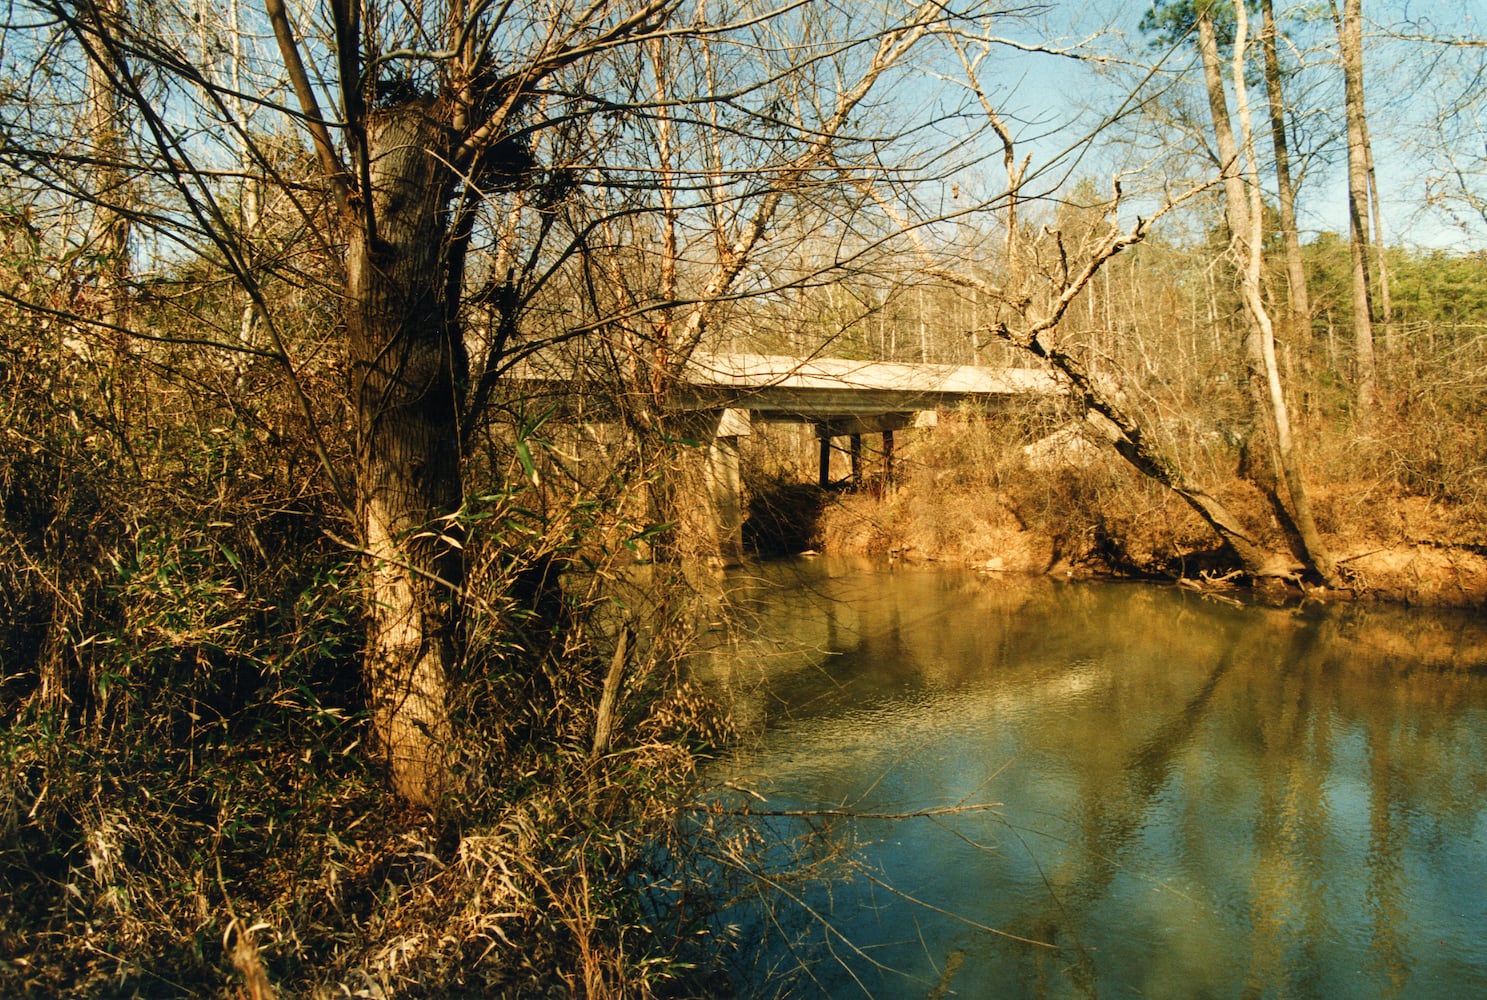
187 804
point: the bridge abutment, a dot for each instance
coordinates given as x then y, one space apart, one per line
723 482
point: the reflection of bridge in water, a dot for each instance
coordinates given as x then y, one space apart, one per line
841 398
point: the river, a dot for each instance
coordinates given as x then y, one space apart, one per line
996 787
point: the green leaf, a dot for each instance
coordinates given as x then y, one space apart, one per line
524 456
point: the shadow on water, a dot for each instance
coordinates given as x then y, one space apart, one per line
1104 790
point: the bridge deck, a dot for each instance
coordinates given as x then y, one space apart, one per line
783 388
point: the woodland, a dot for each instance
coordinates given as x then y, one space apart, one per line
336 659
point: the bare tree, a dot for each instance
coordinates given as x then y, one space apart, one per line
1349 24
108 242
1297 298
1448 71
1031 313
430 116
449 145
1243 210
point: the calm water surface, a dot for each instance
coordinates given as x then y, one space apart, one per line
1137 792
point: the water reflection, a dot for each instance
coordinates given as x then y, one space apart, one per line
1195 799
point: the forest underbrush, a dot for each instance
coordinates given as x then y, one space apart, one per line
249 847
191 800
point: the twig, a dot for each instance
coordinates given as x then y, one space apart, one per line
849 813
605 721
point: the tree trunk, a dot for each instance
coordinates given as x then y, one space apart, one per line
109 237
1253 464
1297 295
1349 25
1242 205
1126 437
407 366
1386 303
250 212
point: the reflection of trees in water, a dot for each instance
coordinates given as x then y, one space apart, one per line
814 644
1288 688
1286 911
1112 816
1386 849
1232 731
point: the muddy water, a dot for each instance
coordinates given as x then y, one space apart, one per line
987 787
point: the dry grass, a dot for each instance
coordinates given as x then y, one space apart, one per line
967 494
187 803
282 868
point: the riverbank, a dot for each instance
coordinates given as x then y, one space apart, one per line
1108 523
1419 560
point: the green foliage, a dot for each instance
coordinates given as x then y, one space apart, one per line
1329 280
1441 290
1435 293
1168 22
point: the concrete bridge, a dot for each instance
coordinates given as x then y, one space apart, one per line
841 398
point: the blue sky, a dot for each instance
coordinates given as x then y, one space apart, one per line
1408 81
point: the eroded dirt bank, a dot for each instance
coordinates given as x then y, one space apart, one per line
1398 549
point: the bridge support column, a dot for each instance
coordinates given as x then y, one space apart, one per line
723 478
853 428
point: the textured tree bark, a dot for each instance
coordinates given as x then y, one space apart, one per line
407 367
1349 24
